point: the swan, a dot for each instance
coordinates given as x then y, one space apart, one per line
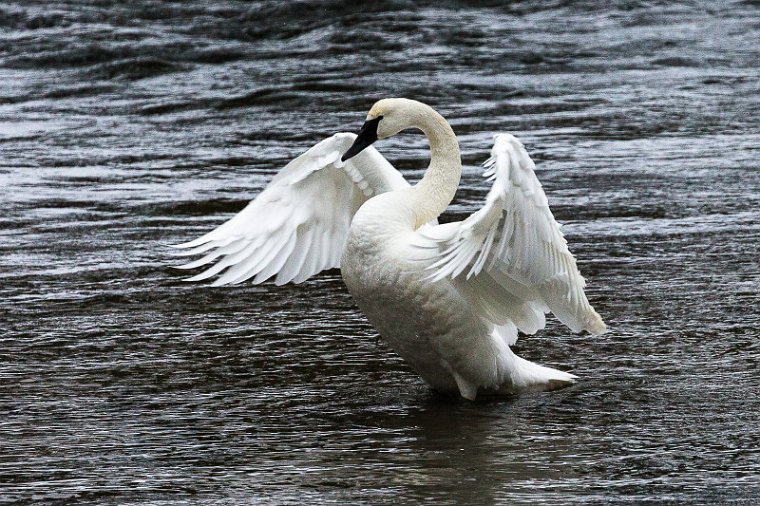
450 298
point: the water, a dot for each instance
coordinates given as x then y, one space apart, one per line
125 127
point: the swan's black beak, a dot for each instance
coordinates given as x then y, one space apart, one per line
367 135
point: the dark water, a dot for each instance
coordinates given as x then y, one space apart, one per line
127 126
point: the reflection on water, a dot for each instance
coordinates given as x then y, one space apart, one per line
127 127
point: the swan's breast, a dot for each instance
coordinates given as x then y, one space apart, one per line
428 324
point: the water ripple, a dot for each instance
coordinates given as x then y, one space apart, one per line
126 127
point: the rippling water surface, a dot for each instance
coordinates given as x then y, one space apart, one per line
128 126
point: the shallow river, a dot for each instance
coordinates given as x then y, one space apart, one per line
128 126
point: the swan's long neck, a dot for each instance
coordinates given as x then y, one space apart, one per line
436 189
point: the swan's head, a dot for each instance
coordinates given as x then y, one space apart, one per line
386 118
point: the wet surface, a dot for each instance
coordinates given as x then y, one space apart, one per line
126 128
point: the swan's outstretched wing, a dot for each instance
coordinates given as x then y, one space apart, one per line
297 226
510 257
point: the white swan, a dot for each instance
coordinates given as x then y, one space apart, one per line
450 298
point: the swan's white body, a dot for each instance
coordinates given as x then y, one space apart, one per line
449 299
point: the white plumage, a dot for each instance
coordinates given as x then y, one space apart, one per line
298 225
449 298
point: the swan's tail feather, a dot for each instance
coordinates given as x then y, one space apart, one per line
525 376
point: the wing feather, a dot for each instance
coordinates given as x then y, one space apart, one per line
298 225
307 246
513 247
274 265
